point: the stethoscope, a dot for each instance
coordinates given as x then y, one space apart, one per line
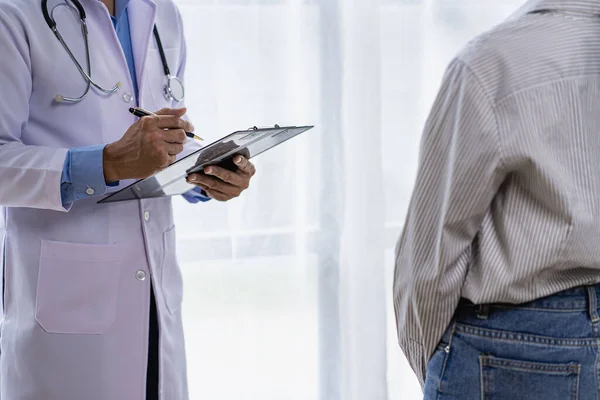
173 90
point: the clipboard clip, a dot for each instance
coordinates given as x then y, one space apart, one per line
255 128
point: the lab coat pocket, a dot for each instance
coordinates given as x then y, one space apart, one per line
77 288
172 282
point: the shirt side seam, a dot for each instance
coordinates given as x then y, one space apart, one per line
492 105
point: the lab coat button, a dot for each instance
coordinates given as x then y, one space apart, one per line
89 191
140 275
147 216
127 97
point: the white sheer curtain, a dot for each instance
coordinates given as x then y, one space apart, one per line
288 289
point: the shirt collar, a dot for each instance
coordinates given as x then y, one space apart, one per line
120 6
580 6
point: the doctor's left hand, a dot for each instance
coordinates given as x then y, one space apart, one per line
223 185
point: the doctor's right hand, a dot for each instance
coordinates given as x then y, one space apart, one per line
150 145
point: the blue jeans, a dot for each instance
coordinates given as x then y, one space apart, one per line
547 349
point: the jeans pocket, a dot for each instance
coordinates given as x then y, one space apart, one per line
435 372
436 367
524 380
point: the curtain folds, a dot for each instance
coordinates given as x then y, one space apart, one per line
288 288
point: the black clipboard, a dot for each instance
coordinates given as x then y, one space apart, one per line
171 180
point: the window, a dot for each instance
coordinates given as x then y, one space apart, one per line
288 289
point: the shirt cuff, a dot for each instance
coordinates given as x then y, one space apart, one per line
196 195
83 175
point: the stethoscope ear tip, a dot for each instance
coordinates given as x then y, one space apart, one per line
59 98
118 85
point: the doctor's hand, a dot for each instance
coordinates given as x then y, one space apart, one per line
150 145
222 184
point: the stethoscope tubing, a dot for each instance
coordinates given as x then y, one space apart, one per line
51 21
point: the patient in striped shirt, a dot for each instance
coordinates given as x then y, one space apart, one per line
496 287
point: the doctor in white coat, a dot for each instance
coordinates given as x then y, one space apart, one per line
92 293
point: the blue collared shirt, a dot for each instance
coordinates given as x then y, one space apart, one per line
83 172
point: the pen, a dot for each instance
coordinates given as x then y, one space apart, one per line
140 112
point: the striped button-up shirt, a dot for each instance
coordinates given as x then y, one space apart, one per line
506 206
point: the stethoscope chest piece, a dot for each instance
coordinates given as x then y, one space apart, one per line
174 89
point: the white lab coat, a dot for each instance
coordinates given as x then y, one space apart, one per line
76 304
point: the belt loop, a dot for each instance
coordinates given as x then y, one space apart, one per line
483 311
593 303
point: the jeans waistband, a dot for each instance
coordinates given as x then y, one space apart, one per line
584 298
